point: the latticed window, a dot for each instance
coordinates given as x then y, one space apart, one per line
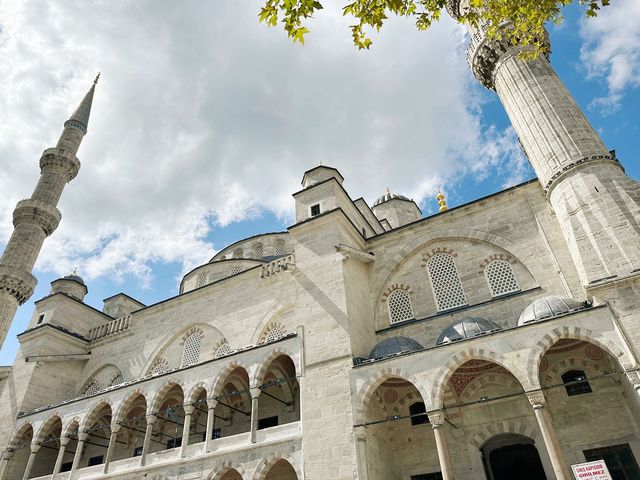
445 282
258 251
399 306
161 367
201 281
223 350
279 247
500 278
235 269
117 380
191 352
92 388
275 333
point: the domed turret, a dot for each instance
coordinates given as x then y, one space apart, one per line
398 210
549 307
72 285
469 327
393 345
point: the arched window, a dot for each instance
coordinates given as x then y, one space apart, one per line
238 253
92 388
191 352
275 333
279 247
258 251
445 282
117 380
201 281
500 278
418 413
235 269
575 382
399 306
223 350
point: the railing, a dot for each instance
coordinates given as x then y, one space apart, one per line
115 326
278 265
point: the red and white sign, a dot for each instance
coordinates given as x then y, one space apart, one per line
591 471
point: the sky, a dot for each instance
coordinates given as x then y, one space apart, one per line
204 121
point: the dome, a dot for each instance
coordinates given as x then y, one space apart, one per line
393 345
74 277
467 328
389 196
548 307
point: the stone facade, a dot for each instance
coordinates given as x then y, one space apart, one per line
495 340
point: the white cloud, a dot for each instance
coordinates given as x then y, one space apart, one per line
611 50
203 118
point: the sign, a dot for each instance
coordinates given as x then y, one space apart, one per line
591 471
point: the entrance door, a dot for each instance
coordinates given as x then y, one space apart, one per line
510 456
619 459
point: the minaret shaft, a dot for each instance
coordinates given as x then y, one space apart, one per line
36 218
597 206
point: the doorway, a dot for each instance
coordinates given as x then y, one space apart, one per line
508 456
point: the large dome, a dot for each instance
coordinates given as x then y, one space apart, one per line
393 345
388 195
548 307
467 328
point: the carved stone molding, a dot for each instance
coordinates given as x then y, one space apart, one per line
536 399
570 166
38 213
56 158
436 418
18 283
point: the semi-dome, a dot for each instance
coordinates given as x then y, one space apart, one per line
548 307
467 328
393 345
388 195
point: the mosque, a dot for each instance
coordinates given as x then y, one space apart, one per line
495 340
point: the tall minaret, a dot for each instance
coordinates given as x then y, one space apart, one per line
597 205
36 218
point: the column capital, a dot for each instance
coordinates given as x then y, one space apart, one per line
188 408
212 403
536 399
64 441
255 392
115 428
8 454
151 418
82 436
436 418
35 447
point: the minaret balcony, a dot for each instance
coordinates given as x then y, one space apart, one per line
17 282
61 159
37 213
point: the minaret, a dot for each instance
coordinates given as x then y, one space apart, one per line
36 218
597 205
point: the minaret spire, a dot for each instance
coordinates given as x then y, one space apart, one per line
36 218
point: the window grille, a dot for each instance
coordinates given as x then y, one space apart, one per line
234 270
275 333
258 251
399 306
161 367
500 278
92 388
445 282
191 352
279 247
418 413
576 383
201 280
223 350
117 380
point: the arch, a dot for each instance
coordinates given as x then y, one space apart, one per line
160 395
524 426
225 467
19 434
497 379
101 376
267 465
219 381
125 405
444 374
195 391
93 414
268 360
46 427
367 392
273 314
72 427
543 345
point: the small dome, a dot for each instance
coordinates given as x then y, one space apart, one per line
467 328
74 277
548 307
388 195
393 345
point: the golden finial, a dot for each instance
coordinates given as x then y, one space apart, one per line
441 201
97 78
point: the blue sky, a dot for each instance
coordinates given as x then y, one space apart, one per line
204 122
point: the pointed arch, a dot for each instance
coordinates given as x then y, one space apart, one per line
94 414
265 466
46 426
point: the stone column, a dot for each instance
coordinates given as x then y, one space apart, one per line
32 456
82 437
549 436
7 455
211 418
151 419
255 393
186 428
444 458
113 438
361 453
64 441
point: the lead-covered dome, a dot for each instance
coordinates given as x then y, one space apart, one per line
393 345
388 195
469 327
549 307
74 277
